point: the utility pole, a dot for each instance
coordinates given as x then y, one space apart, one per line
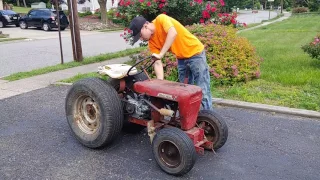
75 32
58 16
270 7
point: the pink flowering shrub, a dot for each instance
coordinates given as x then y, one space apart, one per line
313 48
230 58
229 19
185 11
168 61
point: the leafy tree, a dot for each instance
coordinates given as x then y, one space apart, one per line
237 3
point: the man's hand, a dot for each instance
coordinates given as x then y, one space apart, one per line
157 56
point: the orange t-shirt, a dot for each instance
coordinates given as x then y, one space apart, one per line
184 46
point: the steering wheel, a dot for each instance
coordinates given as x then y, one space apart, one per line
149 57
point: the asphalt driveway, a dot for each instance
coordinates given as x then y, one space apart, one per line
36 143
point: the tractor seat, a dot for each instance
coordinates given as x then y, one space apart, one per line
116 71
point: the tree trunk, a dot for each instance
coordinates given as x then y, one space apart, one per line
24 3
265 4
103 10
18 3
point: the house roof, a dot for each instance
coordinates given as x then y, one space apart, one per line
37 3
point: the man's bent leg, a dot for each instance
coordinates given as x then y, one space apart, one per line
181 70
200 70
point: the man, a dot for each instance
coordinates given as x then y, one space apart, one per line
166 34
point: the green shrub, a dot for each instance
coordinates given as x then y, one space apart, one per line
231 58
313 48
300 10
288 9
87 13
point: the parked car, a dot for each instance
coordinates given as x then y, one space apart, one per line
45 19
9 17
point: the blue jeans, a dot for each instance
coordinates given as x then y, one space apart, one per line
198 75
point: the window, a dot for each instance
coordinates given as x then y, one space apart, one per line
33 13
8 12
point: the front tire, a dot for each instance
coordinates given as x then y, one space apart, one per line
2 25
215 128
46 27
174 151
23 25
94 112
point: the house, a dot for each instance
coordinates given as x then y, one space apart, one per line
36 5
92 6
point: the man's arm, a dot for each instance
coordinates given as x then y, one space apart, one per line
158 67
171 36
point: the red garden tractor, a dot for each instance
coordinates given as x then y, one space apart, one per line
97 110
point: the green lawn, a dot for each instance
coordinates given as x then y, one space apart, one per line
5 37
10 39
82 76
289 77
22 10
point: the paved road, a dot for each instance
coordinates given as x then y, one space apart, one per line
248 17
34 33
28 55
36 143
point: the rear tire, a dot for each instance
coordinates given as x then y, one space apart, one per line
174 151
215 128
94 112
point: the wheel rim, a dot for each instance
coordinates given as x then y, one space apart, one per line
1 24
45 27
169 154
87 114
22 25
210 130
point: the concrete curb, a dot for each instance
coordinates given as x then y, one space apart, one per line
62 83
268 108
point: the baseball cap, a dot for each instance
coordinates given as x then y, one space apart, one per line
136 26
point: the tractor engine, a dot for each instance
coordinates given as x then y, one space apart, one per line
137 107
